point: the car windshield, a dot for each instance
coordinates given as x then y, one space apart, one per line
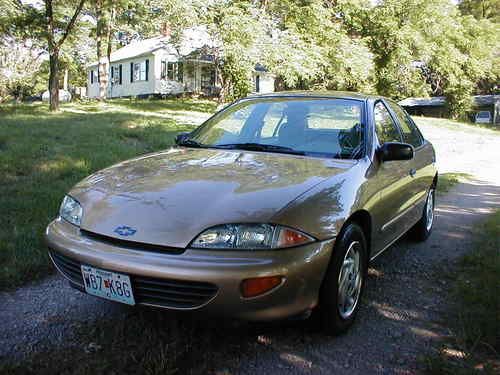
316 127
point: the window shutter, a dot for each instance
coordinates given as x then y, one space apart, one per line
98 76
112 72
131 72
147 69
180 71
163 73
120 74
91 77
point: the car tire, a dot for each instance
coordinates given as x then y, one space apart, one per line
422 230
344 277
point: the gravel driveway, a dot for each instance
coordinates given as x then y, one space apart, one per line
401 319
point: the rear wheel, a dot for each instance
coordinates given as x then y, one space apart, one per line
422 230
344 281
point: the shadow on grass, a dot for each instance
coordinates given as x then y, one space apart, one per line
157 105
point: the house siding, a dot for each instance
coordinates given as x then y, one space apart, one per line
193 72
127 88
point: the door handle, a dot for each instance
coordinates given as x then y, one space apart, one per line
413 172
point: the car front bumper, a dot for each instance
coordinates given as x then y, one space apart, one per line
303 269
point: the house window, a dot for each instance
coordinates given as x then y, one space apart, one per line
172 70
140 71
116 75
257 83
207 77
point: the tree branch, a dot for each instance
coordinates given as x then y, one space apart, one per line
71 23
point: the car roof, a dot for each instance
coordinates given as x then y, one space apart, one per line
316 94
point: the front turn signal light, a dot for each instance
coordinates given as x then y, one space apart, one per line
257 286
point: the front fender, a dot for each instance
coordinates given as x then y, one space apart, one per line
323 210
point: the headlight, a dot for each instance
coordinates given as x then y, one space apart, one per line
250 237
71 210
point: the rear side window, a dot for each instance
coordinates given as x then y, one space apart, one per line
386 129
410 132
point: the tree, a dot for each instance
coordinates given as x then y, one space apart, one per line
481 9
234 28
57 33
19 63
20 49
424 47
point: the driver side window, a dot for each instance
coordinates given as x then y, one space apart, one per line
272 120
385 127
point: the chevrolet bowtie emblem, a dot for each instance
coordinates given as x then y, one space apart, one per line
125 230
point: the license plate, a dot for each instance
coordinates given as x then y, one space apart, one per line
110 285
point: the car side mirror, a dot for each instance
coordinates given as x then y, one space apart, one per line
181 137
395 151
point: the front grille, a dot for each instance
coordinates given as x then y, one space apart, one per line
172 293
177 294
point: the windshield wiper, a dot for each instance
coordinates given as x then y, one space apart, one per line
261 147
190 143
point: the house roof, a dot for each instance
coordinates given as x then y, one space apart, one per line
439 101
260 68
191 40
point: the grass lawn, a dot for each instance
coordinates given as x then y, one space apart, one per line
474 346
42 155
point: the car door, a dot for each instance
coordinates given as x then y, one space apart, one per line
392 179
420 166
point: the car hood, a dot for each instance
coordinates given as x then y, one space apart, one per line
168 198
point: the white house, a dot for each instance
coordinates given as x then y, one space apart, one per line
156 67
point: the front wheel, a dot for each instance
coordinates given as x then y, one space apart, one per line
422 230
344 281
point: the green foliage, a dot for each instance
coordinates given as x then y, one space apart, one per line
426 48
20 61
398 48
235 30
481 8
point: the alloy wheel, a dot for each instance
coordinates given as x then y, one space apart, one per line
350 281
429 215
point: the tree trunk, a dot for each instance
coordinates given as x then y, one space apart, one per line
222 81
109 36
102 68
53 47
54 81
